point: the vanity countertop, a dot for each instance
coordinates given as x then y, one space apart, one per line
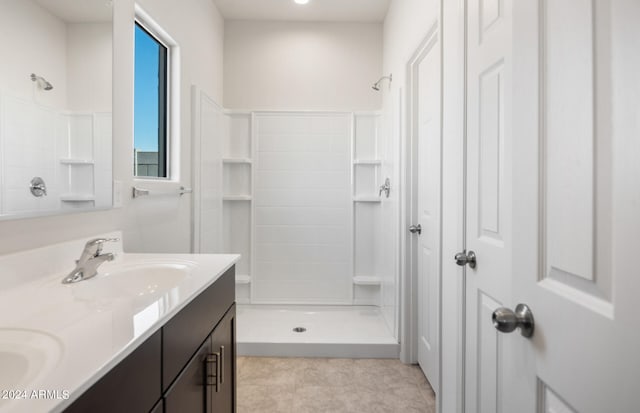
72 335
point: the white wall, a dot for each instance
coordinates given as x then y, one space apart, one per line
36 42
89 65
163 224
405 27
152 224
293 66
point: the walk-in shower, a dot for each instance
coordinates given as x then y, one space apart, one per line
301 202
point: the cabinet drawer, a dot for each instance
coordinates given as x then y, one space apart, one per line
131 386
188 329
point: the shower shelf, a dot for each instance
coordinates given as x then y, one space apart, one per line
367 162
237 160
243 279
367 199
77 197
366 280
236 198
69 161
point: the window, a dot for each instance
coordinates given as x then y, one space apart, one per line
150 137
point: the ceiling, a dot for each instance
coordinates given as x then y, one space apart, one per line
315 10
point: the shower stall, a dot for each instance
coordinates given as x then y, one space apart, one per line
302 197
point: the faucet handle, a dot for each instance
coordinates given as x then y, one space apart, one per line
97 243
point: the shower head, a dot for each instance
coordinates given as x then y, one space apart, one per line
376 86
41 81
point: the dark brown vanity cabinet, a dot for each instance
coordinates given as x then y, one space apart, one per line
133 385
188 366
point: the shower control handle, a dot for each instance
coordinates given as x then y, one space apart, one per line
386 188
37 187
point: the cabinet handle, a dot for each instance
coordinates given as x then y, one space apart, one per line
221 364
213 379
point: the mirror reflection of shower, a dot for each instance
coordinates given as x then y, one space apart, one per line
41 81
376 86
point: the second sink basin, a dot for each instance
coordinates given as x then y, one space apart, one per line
25 356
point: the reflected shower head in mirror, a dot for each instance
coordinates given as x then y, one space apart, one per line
41 81
376 86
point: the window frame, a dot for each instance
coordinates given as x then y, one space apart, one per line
171 105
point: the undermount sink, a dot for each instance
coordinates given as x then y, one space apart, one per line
148 278
26 356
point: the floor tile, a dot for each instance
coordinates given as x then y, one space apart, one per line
330 385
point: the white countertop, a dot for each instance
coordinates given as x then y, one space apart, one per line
92 327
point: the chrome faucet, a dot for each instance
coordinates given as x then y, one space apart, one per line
89 261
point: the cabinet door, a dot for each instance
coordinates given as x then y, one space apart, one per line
223 339
190 393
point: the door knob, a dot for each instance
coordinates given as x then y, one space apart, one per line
506 321
415 228
463 258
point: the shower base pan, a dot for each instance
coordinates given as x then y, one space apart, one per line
314 331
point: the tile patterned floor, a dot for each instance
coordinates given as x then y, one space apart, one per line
306 385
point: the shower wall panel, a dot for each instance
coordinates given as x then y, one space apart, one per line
303 208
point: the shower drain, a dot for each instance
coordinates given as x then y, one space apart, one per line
299 330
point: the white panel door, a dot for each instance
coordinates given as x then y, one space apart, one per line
552 204
576 201
427 133
488 210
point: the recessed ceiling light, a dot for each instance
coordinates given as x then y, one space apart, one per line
301 1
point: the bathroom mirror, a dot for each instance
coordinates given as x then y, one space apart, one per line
55 106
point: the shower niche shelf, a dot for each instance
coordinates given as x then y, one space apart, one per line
367 280
69 161
370 199
77 197
84 160
367 172
237 160
376 162
236 179
237 197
